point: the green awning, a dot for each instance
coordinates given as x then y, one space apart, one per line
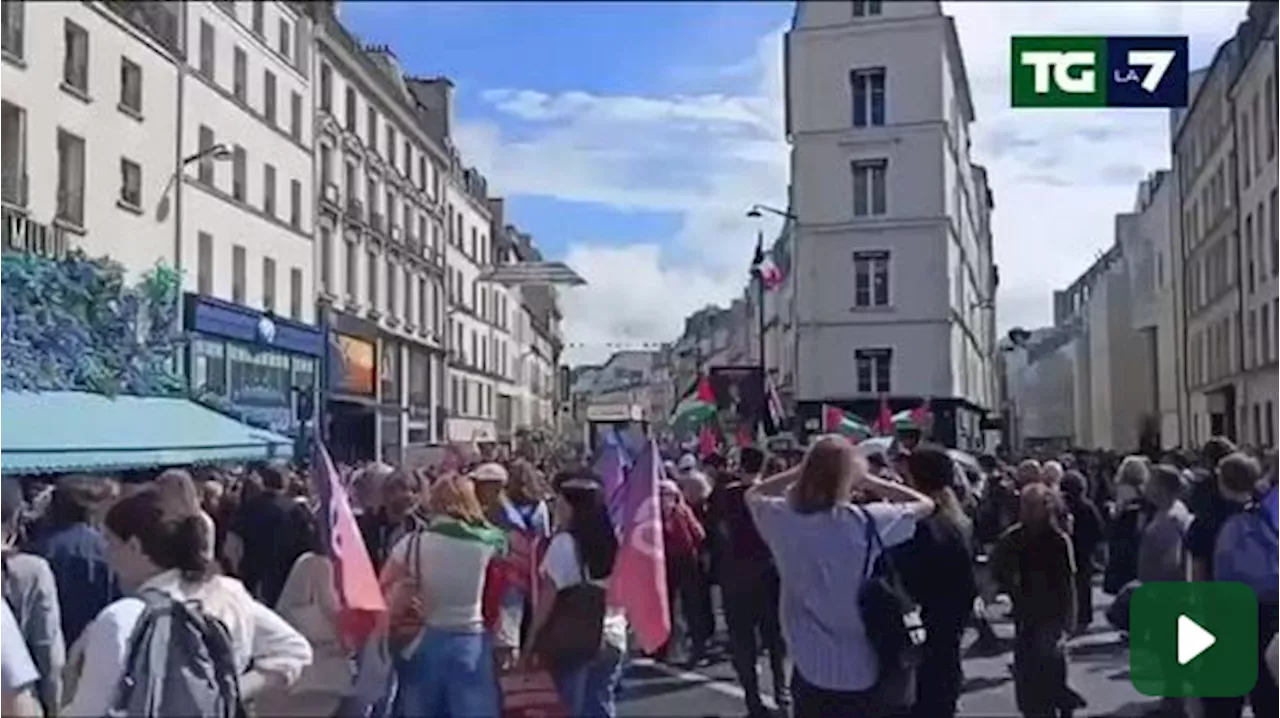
67 431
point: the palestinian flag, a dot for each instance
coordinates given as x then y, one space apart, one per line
696 408
917 419
776 414
837 421
884 421
764 267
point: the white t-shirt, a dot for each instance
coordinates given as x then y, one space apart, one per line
561 566
17 670
452 572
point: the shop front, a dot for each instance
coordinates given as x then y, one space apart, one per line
390 401
260 367
352 396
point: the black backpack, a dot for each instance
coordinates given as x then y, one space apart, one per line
180 663
892 622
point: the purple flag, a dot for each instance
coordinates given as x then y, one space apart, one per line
611 466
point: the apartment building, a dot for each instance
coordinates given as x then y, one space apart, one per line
1207 163
536 339
1252 102
89 101
884 193
379 248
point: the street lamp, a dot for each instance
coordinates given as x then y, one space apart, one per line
757 211
219 152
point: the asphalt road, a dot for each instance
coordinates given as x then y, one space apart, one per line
1099 668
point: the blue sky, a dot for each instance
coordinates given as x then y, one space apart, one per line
629 138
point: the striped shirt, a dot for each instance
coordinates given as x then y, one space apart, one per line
820 558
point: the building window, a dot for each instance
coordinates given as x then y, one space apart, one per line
424 319
867 86
371 291
13 153
240 82
1251 341
870 279
295 204
326 259
408 160
295 116
75 57
70 178
352 267
238 262
208 54
351 109
204 172
295 294
130 86
869 187
371 128
874 367
1269 102
1264 319
13 19
204 263
268 284
269 97
1273 238
391 145
1248 252
269 190
864 8
392 293
326 87
259 21
130 183
238 173
286 37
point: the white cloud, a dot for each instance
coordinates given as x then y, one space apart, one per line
1059 176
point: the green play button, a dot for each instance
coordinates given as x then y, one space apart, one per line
1193 639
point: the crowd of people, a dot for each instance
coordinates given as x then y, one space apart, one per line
857 573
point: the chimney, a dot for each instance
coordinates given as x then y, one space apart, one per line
435 95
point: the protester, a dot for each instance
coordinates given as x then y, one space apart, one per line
683 538
520 509
31 592
819 540
1162 552
1128 515
448 667
936 565
577 566
1034 564
749 585
77 552
1086 534
399 513
156 543
271 527
18 674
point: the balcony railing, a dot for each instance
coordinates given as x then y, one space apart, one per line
355 210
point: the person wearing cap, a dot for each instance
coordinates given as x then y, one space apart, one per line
32 594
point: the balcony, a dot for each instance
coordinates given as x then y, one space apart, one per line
375 222
397 235
355 210
14 188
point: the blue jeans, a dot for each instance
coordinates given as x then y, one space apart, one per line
451 675
590 690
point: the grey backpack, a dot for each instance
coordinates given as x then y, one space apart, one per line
180 663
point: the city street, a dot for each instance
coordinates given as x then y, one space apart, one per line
1099 671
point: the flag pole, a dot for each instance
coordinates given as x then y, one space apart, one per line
757 268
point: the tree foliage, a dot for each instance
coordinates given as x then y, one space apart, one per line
75 324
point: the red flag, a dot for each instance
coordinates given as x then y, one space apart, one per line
707 441
360 600
884 422
922 416
639 583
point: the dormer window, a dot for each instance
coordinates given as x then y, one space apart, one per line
866 8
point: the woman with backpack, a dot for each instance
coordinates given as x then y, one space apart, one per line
575 632
826 546
223 648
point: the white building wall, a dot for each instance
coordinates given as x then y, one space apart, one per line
31 80
472 389
238 119
935 319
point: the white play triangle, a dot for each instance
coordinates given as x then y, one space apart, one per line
1192 640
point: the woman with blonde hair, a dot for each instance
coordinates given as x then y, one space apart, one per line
439 572
1129 516
819 539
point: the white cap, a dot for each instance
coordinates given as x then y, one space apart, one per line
490 472
687 463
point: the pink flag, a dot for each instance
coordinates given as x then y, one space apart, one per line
639 583
360 599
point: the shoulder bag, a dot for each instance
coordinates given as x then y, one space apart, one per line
574 632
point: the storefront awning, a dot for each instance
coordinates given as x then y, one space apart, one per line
67 431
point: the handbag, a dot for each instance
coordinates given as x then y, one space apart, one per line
892 622
407 614
574 632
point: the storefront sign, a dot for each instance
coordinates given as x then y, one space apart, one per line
352 366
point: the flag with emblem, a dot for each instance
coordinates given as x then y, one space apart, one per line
360 600
838 421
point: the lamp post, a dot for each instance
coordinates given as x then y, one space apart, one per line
756 212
